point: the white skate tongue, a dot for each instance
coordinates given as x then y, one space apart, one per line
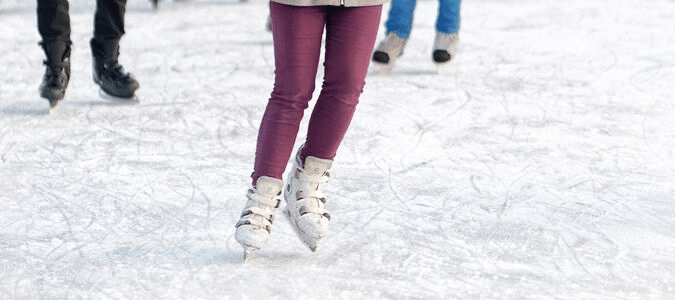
317 166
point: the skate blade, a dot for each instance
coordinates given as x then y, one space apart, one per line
53 105
442 68
383 69
310 242
247 252
119 100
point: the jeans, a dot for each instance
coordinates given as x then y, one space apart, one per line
401 17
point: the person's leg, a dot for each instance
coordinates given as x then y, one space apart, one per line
401 17
350 37
108 30
54 27
53 21
448 21
297 33
447 32
398 27
109 20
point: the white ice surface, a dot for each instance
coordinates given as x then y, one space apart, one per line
541 165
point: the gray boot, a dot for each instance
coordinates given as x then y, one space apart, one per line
108 73
57 71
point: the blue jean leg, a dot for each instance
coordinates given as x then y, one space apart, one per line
448 16
401 17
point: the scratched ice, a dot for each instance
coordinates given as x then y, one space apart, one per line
541 165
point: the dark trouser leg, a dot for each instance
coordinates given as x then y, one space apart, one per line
53 20
109 20
108 29
54 27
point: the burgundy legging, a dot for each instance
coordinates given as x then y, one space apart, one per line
298 30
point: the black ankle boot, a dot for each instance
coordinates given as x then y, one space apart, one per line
57 71
108 73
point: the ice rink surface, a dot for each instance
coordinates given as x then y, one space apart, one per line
541 165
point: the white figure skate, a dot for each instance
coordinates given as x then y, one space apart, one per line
253 229
304 200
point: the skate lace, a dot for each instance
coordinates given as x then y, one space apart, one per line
309 192
264 200
262 214
55 74
115 71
